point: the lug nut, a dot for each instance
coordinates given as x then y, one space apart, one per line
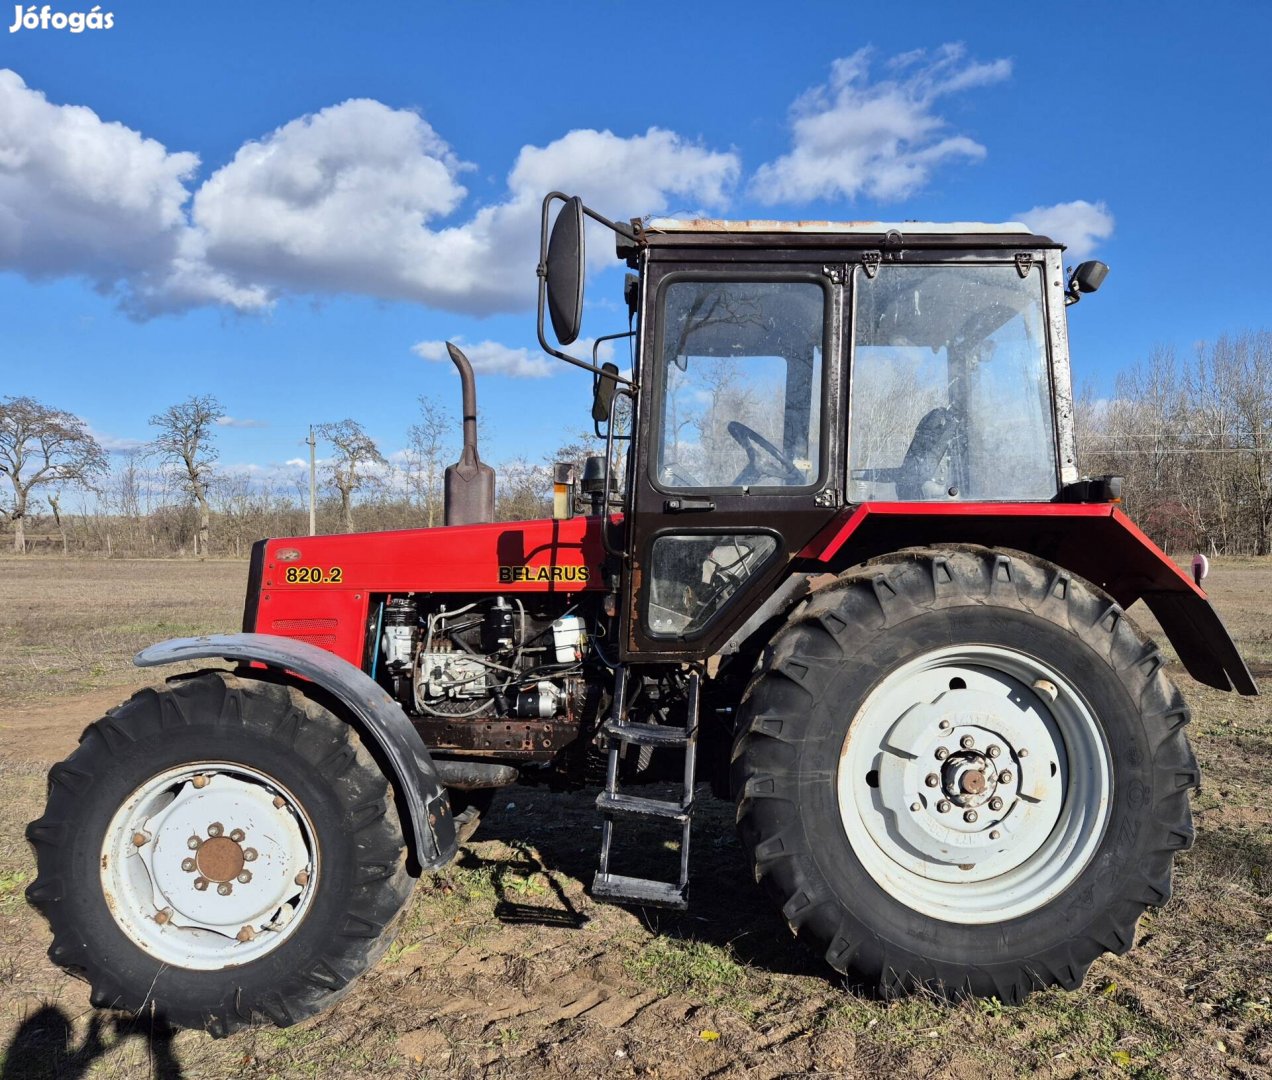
244 877
1005 776
1022 752
139 839
302 878
966 742
246 934
237 836
932 779
994 751
941 753
915 807
995 803
249 854
193 843
200 883
216 829
199 781
943 806
969 815
995 835
945 725
161 917
188 865
224 889
279 802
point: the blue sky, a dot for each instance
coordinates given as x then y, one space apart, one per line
276 202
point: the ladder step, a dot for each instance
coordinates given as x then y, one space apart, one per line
618 803
647 734
634 890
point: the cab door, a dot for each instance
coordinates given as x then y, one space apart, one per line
738 459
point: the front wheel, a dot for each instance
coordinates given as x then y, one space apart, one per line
223 850
964 771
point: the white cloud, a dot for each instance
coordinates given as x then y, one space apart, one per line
235 422
494 358
852 137
1079 224
116 444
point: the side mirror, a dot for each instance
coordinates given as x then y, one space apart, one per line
603 392
564 272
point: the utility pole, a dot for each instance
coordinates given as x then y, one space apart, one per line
313 483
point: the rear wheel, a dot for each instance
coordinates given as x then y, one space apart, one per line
963 771
222 850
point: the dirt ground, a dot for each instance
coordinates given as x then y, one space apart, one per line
505 967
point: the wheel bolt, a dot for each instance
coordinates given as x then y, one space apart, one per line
200 883
237 836
162 917
994 751
915 807
193 843
224 889
945 725
1022 752
279 802
246 934
941 753
995 835
302 878
1005 776
249 854
943 806
188 865
995 803
932 779
216 829
969 815
199 781
244 877
966 742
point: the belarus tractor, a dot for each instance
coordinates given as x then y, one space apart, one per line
837 560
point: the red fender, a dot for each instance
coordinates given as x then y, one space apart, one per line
1095 541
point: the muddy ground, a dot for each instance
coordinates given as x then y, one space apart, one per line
505 967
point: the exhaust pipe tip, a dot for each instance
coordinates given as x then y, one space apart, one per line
469 487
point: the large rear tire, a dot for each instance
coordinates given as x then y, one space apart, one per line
222 851
963 771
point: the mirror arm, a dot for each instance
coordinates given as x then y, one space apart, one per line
623 230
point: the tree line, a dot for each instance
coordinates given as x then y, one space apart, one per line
1192 437
171 497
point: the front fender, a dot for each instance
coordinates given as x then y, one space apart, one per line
378 715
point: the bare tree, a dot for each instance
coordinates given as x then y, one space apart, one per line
352 469
185 444
43 447
427 449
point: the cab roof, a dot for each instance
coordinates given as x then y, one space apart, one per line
705 232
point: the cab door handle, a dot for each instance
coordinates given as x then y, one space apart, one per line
687 506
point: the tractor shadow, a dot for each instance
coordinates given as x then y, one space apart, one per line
44 1047
560 832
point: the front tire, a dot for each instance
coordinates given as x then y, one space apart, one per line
224 851
963 771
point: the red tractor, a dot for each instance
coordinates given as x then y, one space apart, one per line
837 558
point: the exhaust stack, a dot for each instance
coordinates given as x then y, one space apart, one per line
469 489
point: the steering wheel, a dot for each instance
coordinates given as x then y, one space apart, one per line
751 440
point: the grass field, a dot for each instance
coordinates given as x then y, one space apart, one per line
505 967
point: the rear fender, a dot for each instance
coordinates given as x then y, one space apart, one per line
1095 541
375 713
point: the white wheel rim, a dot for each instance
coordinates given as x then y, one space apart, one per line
209 865
994 837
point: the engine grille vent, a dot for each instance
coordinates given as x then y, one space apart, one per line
307 630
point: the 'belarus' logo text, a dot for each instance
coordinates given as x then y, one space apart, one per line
45 18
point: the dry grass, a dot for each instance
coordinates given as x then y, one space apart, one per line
505 967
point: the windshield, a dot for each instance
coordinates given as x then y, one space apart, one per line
741 381
951 397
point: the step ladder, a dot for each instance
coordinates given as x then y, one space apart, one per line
615 804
